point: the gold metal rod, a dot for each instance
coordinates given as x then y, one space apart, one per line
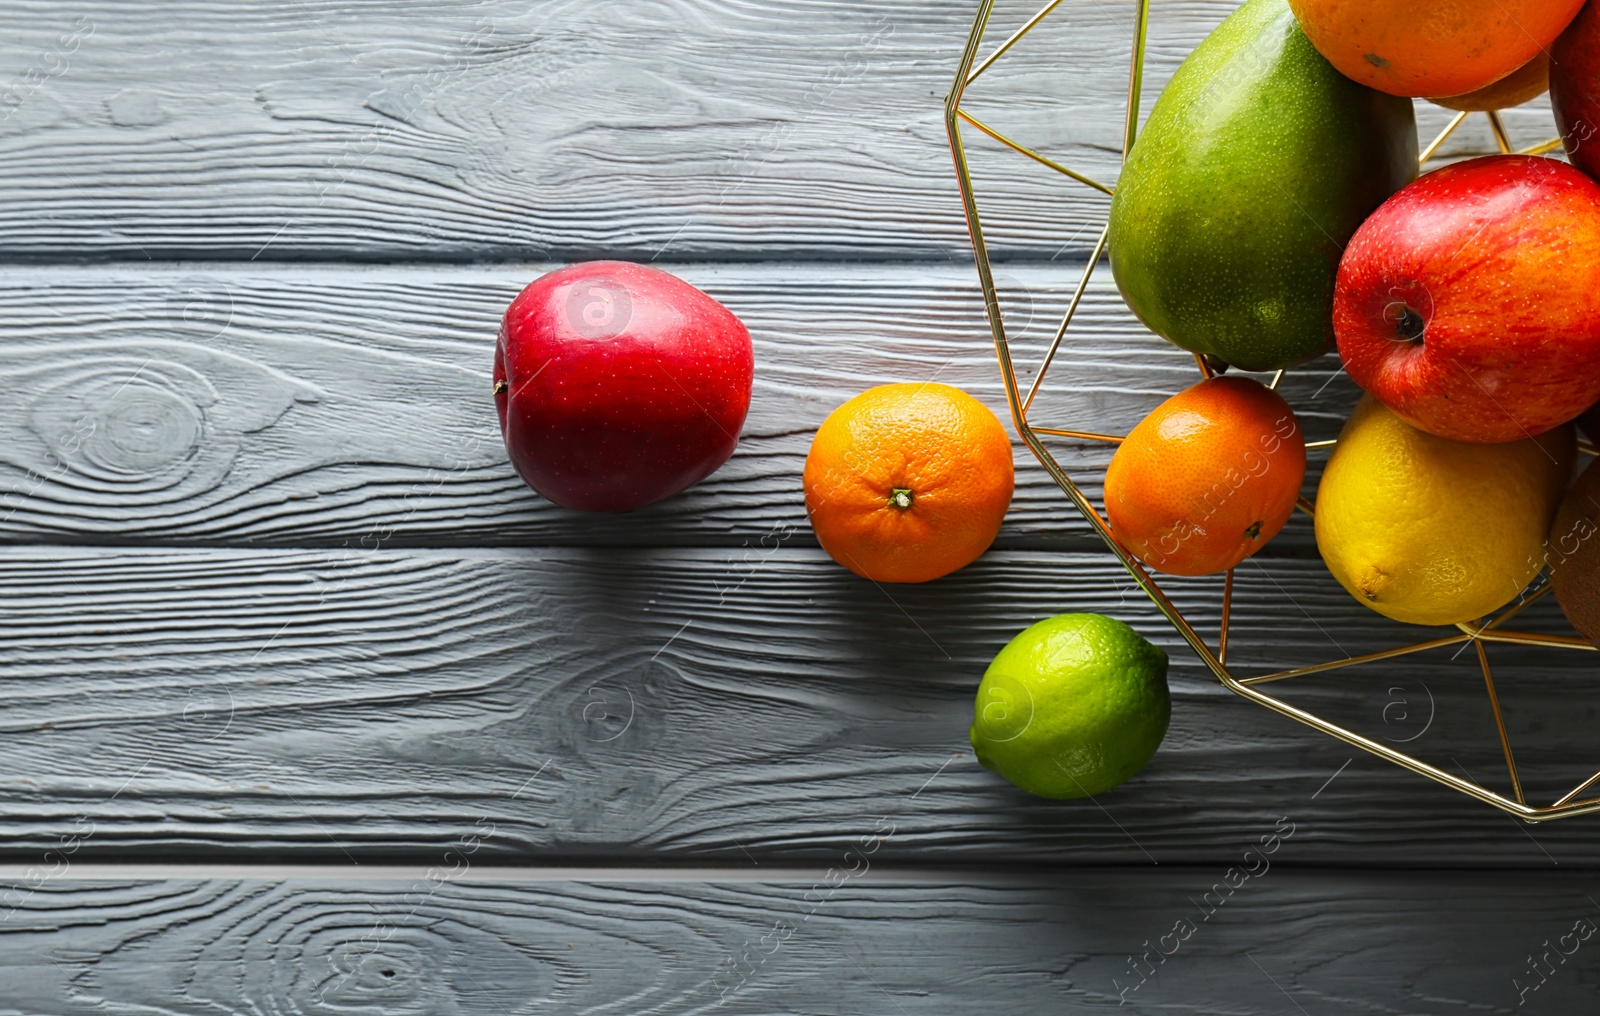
953 100
1227 608
1305 506
1532 639
1275 379
1449 129
1141 29
969 202
1519 809
1132 564
1200 361
1009 375
1186 631
1580 788
1017 35
1519 608
1002 347
1066 319
1030 153
1086 435
1382 654
1587 447
1588 806
1500 137
1541 148
1499 721
1313 445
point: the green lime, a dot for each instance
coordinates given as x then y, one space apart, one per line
1072 706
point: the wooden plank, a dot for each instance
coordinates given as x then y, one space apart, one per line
688 704
453 939
430 131
311 406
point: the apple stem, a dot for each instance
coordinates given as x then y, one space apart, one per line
900 497
1408 324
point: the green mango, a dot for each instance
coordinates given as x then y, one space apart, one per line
1256 166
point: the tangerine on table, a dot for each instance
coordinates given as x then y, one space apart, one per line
1207 478
908 482
1431 47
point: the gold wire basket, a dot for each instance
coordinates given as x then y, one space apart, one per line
1478 633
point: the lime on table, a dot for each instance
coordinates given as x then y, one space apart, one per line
1072 706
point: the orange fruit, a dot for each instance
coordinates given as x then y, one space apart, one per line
1524 84
908 482
1431 47
1208 478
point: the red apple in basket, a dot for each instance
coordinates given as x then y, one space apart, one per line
1469 302
619 385
1575 88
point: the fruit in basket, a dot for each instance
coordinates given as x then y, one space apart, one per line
1072 706
1432 47
1524 84
908 482
1575 89
1207 478
1256 164
1470 302
1574 552
1589 423
1432 531
619 385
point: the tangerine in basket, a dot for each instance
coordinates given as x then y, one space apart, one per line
1431 47
1207 478
908 482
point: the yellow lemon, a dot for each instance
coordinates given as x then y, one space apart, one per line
1431 531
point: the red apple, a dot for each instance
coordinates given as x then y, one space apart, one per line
619 385
1575 88
1469 302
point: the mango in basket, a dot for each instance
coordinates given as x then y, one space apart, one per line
1257 164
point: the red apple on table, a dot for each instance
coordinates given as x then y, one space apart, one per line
1575 88
619 385
1469 302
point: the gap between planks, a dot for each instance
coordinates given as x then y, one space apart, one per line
1024 874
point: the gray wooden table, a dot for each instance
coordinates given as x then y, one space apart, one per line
310 706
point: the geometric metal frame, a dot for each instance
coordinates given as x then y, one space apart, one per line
1478 633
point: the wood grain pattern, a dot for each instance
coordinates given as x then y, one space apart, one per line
270 593
453 939
313 406
703 704
430 131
